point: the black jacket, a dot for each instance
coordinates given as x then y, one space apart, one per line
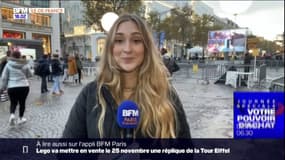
84 116
170 64
42 68
56 67
247 58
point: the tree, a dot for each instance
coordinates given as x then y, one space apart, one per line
202 25
263 44
170 28
153 20
184 26
182 22
268 46
95 9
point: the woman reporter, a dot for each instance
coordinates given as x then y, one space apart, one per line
131 69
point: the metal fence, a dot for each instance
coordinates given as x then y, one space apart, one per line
277 84
89 68
216 71
212 70
88 64
209 70
270 62
261 74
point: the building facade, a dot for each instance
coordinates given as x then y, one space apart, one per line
37 29
77 37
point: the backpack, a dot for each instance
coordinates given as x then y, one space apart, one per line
170 64
38 69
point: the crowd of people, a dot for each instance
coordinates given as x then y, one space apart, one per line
59 70
16 69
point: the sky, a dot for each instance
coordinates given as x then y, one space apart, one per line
263 18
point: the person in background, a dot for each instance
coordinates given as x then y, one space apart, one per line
247 61
61 66
44 71
131 69
49 76
169 62
31 62
56 72
79 68
65 68
72 67
15 78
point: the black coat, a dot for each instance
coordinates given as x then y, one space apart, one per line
84 116
247 58
42 68
170 64
56 67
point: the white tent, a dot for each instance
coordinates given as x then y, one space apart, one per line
196 49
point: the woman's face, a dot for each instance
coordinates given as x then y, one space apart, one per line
128 50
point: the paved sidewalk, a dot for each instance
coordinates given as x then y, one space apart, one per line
46 114
208 109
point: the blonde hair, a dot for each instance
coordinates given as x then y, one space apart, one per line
158 116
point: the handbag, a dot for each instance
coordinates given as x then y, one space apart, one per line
175 67
4 96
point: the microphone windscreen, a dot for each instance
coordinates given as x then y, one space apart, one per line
128 114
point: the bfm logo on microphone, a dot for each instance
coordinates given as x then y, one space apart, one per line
130 112
128 115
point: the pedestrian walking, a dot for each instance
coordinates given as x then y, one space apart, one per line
31 63
49 76
169 62
56 72
15 78
131 69
43 71
65 69
79 68
72 68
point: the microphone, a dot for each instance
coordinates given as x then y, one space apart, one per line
128 117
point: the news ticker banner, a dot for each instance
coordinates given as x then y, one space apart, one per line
22 13
200 149
258 115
